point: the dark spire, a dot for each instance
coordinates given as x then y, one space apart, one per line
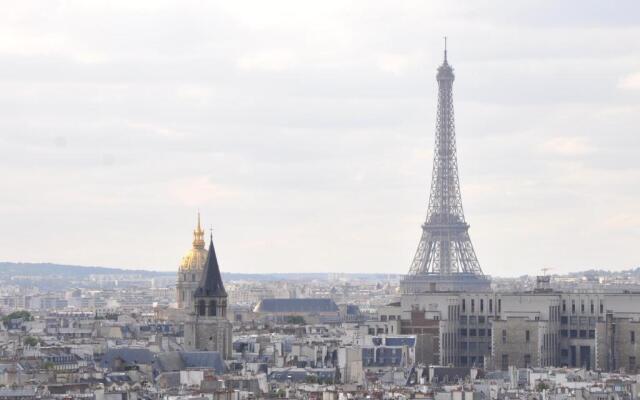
211 284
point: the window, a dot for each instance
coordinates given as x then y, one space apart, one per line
193 277
213 308
202 307
564 333
504 336
463 332
490 305
564 306
564 320
592 334
583 334
481 319
481 305
481 332
582 306
564 353
592 307
573 333
499 305
505 362
527 360
573 306
632 335
527 336
601 308
473 305
472 332
632 363
464 305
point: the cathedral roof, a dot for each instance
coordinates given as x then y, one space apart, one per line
211 284
296 306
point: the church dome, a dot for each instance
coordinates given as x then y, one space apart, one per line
196 256
193 260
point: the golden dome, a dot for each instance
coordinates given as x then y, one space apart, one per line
197 255
193 260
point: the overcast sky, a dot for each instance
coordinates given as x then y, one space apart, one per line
304 130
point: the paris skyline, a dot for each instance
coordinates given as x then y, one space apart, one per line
304 134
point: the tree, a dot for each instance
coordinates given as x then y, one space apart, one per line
30 341
23 314
311 379
541 386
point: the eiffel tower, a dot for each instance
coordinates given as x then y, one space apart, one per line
445 258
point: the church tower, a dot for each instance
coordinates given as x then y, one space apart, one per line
190 270
208 328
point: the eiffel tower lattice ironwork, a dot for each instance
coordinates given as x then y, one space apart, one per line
445 247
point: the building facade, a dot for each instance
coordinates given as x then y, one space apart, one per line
595 330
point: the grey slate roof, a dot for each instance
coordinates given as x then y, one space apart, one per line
211 284
203 359
179 360
296 306
129 355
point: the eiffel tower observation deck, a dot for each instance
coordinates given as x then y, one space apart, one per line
445 259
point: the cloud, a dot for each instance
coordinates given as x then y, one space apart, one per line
277 60
568 146
312 125
200 191
394 63
630 82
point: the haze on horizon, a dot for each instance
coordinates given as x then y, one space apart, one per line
304 132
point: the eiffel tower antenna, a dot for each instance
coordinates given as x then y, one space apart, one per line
445 249
445 49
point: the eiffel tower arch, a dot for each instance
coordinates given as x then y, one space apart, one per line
445 259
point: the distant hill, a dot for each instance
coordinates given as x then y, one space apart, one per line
10 269
13 269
